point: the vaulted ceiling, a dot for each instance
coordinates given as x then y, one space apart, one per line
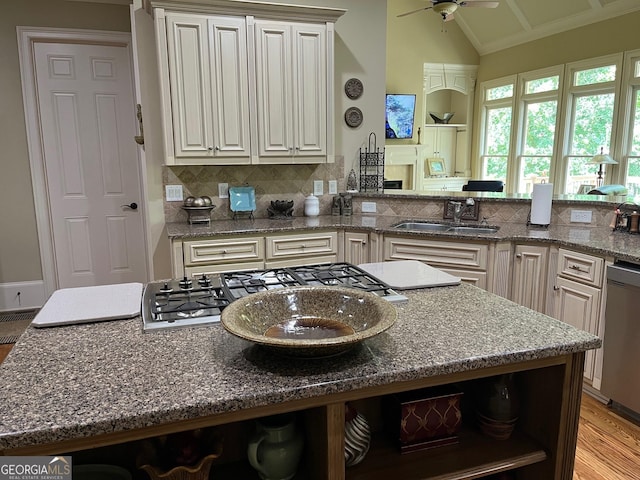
518 21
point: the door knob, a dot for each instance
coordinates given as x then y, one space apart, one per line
132 206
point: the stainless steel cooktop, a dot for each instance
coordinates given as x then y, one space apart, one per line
200 300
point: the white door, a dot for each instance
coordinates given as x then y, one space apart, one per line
87 119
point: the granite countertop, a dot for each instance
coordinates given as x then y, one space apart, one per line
72 382
597 240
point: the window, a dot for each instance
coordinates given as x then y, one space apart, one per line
497 120
590 107
523 140
539 107
630 155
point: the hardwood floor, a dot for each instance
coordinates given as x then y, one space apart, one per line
608 445
4 350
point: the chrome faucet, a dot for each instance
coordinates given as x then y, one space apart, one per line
459 209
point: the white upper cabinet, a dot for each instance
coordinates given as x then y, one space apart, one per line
209 88
239 88
291 86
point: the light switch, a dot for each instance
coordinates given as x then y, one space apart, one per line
333 187
173 193
318 187
223 190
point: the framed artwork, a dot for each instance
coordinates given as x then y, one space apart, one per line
436 167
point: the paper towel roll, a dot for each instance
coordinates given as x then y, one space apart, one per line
541 197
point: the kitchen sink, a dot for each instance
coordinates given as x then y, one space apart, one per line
476 230
446 228
431 227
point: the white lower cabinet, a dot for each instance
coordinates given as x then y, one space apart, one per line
579 298
209 255
287 250
467 260
195 257
529 276
356 248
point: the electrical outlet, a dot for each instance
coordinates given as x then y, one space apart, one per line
223 190
318 187
333 187
368 207
581 216
173 193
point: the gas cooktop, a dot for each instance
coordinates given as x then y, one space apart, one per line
200 300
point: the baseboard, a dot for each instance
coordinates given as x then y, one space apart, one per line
588 389
21 295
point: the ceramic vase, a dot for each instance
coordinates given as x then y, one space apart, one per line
276 447
500 398
498 406
357 436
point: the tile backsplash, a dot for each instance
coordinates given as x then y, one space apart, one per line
271 182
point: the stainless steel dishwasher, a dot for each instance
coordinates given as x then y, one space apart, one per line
621 356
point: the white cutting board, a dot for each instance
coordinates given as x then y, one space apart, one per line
406 274
90 304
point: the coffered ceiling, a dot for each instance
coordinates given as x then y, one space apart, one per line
518 21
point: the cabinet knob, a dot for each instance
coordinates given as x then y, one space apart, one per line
210 148
556 288
518 255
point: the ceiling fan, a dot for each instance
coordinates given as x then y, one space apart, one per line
446 7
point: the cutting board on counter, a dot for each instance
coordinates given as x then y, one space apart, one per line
407 274
69 306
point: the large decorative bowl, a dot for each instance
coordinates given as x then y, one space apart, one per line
441 117
309 321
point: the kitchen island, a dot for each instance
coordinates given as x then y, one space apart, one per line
76 388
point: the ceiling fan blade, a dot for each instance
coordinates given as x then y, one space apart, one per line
479 3
413 11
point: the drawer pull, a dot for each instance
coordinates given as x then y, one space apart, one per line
576 267
556 288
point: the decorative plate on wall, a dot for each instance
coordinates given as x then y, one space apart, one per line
353 88
353 117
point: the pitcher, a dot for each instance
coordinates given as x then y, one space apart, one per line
276 447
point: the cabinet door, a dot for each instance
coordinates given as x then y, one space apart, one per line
274 88
291 71
530 276
230 87
356 248
579 306
188 52
209 86
309 89
440 142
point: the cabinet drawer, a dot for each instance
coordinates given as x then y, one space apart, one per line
282 247
472 277
580 266
208 252
435 253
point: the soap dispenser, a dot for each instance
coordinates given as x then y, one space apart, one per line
311 206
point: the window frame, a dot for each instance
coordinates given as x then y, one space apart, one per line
570 94
523 100
485 106
624 88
